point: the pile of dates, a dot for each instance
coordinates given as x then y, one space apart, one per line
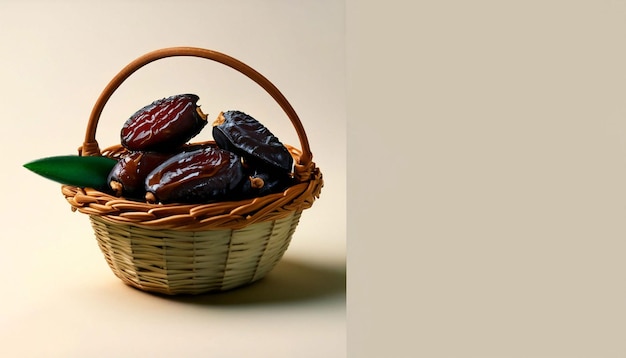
245 159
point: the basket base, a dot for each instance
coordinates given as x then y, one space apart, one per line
193 262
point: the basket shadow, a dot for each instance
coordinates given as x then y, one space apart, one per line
289 281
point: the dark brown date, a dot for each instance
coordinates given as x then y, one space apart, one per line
242 134
199 176
164 125
128 176
260 183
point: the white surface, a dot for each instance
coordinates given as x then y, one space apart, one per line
59 297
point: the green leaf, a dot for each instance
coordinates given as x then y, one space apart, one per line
87 171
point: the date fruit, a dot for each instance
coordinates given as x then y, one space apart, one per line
200 176
128 176
164 125
240 133
260 183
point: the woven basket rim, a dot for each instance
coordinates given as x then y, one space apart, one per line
189 217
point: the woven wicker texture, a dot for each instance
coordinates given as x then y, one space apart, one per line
174 262
195 248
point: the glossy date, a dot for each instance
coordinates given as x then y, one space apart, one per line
240 133
260 183
164 125
127 178
199 176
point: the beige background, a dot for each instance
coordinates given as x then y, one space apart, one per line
498 232
487 201
59 299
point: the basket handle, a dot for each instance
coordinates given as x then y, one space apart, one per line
90 146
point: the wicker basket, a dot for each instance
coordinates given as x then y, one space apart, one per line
192 249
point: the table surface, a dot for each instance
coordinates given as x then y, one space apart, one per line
65 298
